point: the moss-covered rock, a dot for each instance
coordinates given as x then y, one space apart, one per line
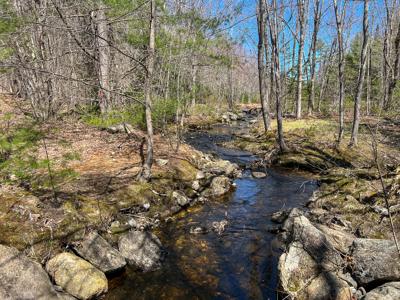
76 276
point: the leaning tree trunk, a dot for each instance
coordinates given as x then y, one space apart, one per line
146 169
361 77
264 96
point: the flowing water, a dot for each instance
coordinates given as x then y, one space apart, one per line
240 263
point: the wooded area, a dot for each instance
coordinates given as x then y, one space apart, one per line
126 115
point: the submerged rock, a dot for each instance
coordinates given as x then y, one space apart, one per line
375 261
387 291
219 227
258 174
76 276
198 230
100 253
279 216
141 249
23 278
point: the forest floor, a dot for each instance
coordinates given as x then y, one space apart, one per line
350 187
62 177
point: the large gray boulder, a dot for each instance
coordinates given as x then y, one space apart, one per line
388 291
302 278
77 276
141 249
375 261
100 253
311 268
339 238
313 241
23 278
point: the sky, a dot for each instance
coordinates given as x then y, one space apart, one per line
247 27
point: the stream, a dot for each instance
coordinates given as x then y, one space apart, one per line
241 262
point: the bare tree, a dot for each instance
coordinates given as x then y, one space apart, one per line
145 173
272 19
339 15
262 43
361 77
387 69
317 21
102 38
396 68
302 15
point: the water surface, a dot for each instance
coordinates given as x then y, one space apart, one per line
240 263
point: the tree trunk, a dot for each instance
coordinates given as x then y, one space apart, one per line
395 68
361 77
339 28
104 58
272 22
317 20
369 62
324 74
302 20
387 70
146 169
264 97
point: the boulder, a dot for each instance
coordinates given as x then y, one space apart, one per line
141 249
220 186
314 241
388 291
327 286
100 253
180 198
221 167
340 239
121 128
296 268
23 278
302 278
375 261
76 276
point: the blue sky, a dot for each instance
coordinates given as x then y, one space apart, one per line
354 12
